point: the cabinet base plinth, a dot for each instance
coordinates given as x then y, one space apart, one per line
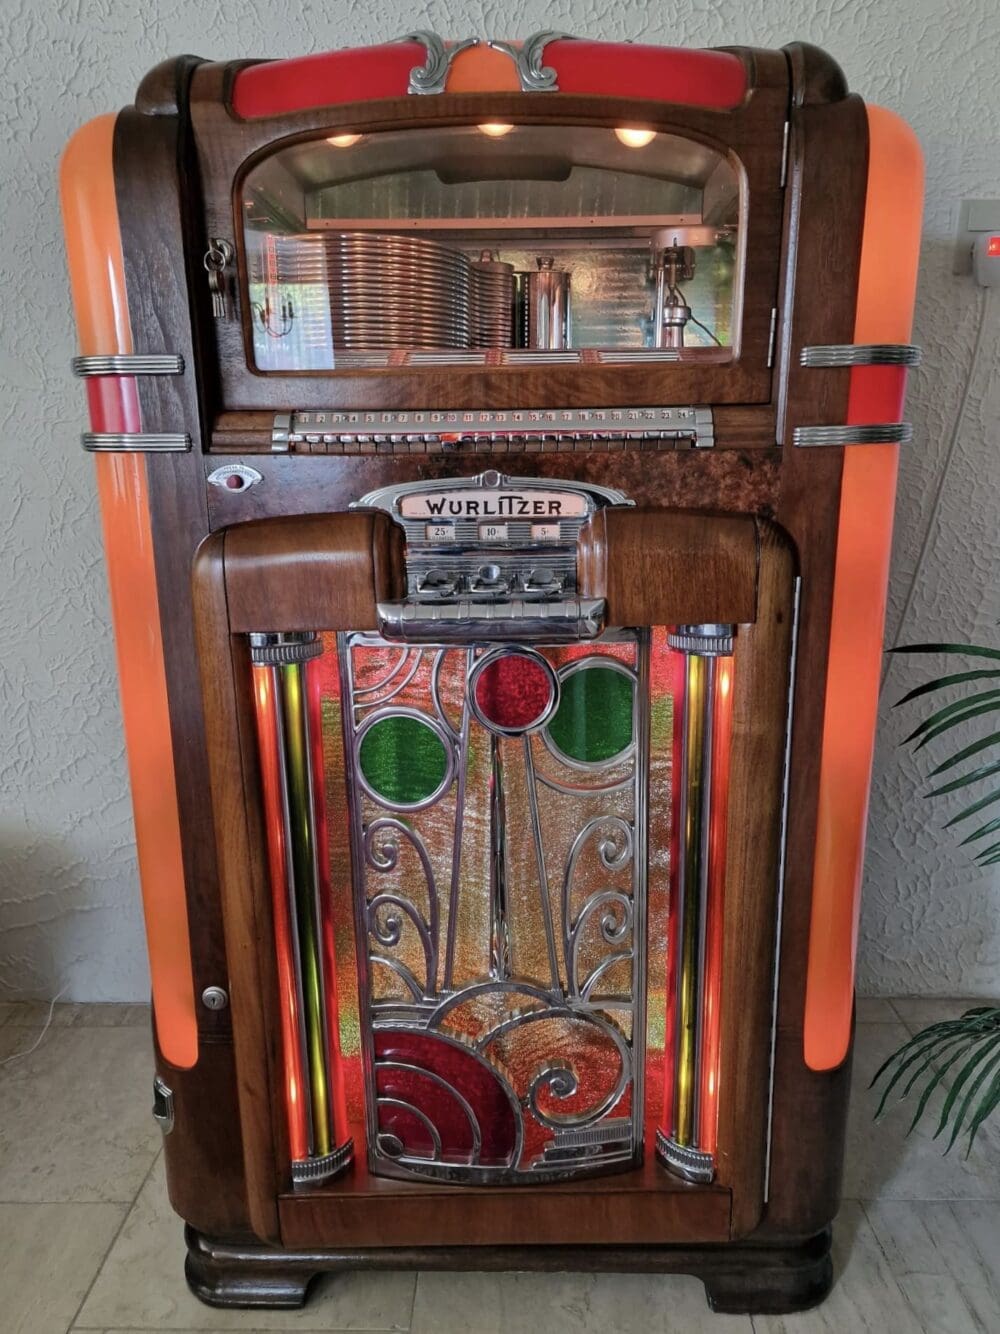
739 1278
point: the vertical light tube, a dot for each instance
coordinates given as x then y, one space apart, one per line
299 879
708 1119
338 1095
296 1093
699 820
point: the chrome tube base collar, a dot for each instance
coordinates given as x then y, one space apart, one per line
707 641
277 649
691 1164
309 1170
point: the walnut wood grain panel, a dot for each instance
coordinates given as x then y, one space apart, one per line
203 1154
643 1206
753 132
669 567
761 668
155 226
819 300
317 572
691 479
225 674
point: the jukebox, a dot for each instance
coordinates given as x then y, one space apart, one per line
496 446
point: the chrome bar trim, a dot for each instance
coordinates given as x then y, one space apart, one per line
783 849
456 857
431 76
134 442
128 363
308 1170
545 901
455 427
534 74
861 354
691 1164
163 1105
466 621
876 433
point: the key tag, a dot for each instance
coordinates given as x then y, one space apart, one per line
218 257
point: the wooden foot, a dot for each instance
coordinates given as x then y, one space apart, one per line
741 1278
243 1276
771 1281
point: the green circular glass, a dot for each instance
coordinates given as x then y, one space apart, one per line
402 760
593 722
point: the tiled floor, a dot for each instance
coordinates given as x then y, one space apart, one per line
88 1241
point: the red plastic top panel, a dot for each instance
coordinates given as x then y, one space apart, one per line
714 79
359 74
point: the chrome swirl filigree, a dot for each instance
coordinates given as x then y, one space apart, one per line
430 77
382 847
535 76
615 850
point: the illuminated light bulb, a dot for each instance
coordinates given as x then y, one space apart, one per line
494 129
633 138
344 140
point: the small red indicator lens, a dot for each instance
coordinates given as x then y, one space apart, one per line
993 246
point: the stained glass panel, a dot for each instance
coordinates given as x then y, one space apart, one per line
498 852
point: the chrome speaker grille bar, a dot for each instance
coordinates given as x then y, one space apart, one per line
134 442
877 433
861 354
121 363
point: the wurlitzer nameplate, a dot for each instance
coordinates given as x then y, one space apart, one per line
492 556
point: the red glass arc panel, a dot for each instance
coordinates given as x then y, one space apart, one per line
359 74
433 1076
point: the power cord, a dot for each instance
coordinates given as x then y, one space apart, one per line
984 306
45 1028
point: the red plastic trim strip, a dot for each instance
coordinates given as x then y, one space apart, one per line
359 74
716 79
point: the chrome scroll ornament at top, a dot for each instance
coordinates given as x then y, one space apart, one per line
533 74
431 75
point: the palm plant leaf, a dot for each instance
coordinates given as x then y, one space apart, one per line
967 650
990 827
974 808
954 714
942 682
962 1055
929 1058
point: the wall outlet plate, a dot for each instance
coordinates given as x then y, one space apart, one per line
974 217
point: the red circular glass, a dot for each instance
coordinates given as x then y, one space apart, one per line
514 692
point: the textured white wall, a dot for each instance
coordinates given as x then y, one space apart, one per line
69 904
